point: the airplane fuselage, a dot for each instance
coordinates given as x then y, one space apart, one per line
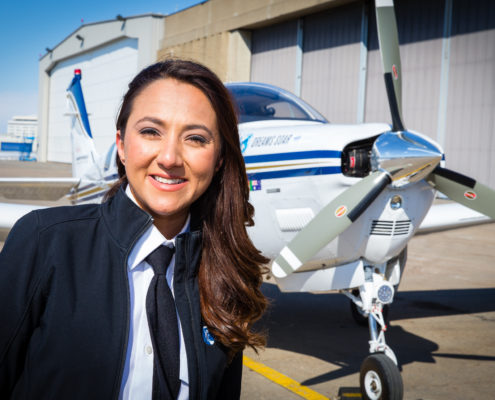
295 170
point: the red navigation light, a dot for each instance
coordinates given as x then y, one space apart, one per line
77 72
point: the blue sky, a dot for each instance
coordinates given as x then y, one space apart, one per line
28 27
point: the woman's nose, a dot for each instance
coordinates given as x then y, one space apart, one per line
169 154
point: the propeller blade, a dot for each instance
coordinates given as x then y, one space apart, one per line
464 190
332 220
388 38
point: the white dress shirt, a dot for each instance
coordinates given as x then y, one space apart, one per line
137 380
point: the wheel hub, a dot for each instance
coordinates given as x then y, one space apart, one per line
373 385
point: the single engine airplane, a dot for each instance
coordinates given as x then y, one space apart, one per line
335 205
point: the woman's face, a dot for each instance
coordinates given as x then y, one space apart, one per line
171 149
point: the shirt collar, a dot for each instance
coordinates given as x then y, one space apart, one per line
150 239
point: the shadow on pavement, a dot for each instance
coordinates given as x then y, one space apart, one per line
321 325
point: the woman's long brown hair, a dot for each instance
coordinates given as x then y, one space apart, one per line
230 273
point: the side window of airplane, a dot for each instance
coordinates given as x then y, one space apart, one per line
261 102
110 157
287 110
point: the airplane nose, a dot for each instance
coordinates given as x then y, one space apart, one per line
406 156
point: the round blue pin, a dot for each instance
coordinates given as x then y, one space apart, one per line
208 337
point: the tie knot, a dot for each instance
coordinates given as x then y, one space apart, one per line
160 258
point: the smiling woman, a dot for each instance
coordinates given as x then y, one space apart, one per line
161 278
171 150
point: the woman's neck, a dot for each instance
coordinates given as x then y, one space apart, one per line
170 225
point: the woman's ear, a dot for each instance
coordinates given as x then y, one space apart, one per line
119 140
219 164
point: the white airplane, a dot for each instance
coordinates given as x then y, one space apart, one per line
335 205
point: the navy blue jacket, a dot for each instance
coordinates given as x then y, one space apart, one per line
64 306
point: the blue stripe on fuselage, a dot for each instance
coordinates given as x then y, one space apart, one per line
298 172
295 155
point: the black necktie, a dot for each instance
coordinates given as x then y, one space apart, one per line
164 329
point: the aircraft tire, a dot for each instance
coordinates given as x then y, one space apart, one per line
380 379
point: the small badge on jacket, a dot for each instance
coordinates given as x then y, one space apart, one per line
208 337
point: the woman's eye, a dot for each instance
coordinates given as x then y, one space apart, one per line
149 131
198 139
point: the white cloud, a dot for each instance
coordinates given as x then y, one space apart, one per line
16 103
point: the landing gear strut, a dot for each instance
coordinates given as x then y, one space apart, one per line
380 378
360 317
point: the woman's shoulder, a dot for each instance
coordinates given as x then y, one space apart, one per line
47 217
29 229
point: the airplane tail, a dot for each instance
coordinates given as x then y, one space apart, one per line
84 155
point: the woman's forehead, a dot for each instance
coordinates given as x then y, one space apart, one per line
169 98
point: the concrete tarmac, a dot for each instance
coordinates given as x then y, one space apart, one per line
442 321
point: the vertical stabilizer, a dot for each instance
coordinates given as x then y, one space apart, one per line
84 154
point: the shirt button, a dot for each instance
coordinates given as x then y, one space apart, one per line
148 349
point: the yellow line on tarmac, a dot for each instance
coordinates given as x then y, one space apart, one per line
283 380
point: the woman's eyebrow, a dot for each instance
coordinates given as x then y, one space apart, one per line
199 126
159 122
156 121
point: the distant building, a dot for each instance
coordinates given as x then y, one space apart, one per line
20 142
23 126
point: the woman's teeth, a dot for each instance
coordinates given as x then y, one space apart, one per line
168 181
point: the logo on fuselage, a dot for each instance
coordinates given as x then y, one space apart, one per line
245 142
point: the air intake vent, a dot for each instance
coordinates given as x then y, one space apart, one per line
402 227
383 228
390 228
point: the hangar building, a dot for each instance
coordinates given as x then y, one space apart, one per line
109 53
325 51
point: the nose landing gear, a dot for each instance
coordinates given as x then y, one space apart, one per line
380 378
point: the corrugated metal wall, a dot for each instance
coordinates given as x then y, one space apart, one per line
331 62
274 55
470 125
331 68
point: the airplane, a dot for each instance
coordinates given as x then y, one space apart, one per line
335 205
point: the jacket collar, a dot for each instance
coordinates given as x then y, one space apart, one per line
124 219
127 222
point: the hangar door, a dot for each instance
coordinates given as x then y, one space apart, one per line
274 55
316 57
106 72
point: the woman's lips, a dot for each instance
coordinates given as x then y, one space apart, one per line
167 184
169 181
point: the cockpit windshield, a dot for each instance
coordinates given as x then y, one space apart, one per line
261 102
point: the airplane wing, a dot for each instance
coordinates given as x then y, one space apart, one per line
37 188
450 215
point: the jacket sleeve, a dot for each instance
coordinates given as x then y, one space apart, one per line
230 386
20 307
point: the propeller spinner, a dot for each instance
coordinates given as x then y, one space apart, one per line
398 157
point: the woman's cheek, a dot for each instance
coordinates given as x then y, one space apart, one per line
143 152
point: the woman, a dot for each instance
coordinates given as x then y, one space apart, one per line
75 282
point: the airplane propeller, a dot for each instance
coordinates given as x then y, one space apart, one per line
399 157
464 190
388 39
